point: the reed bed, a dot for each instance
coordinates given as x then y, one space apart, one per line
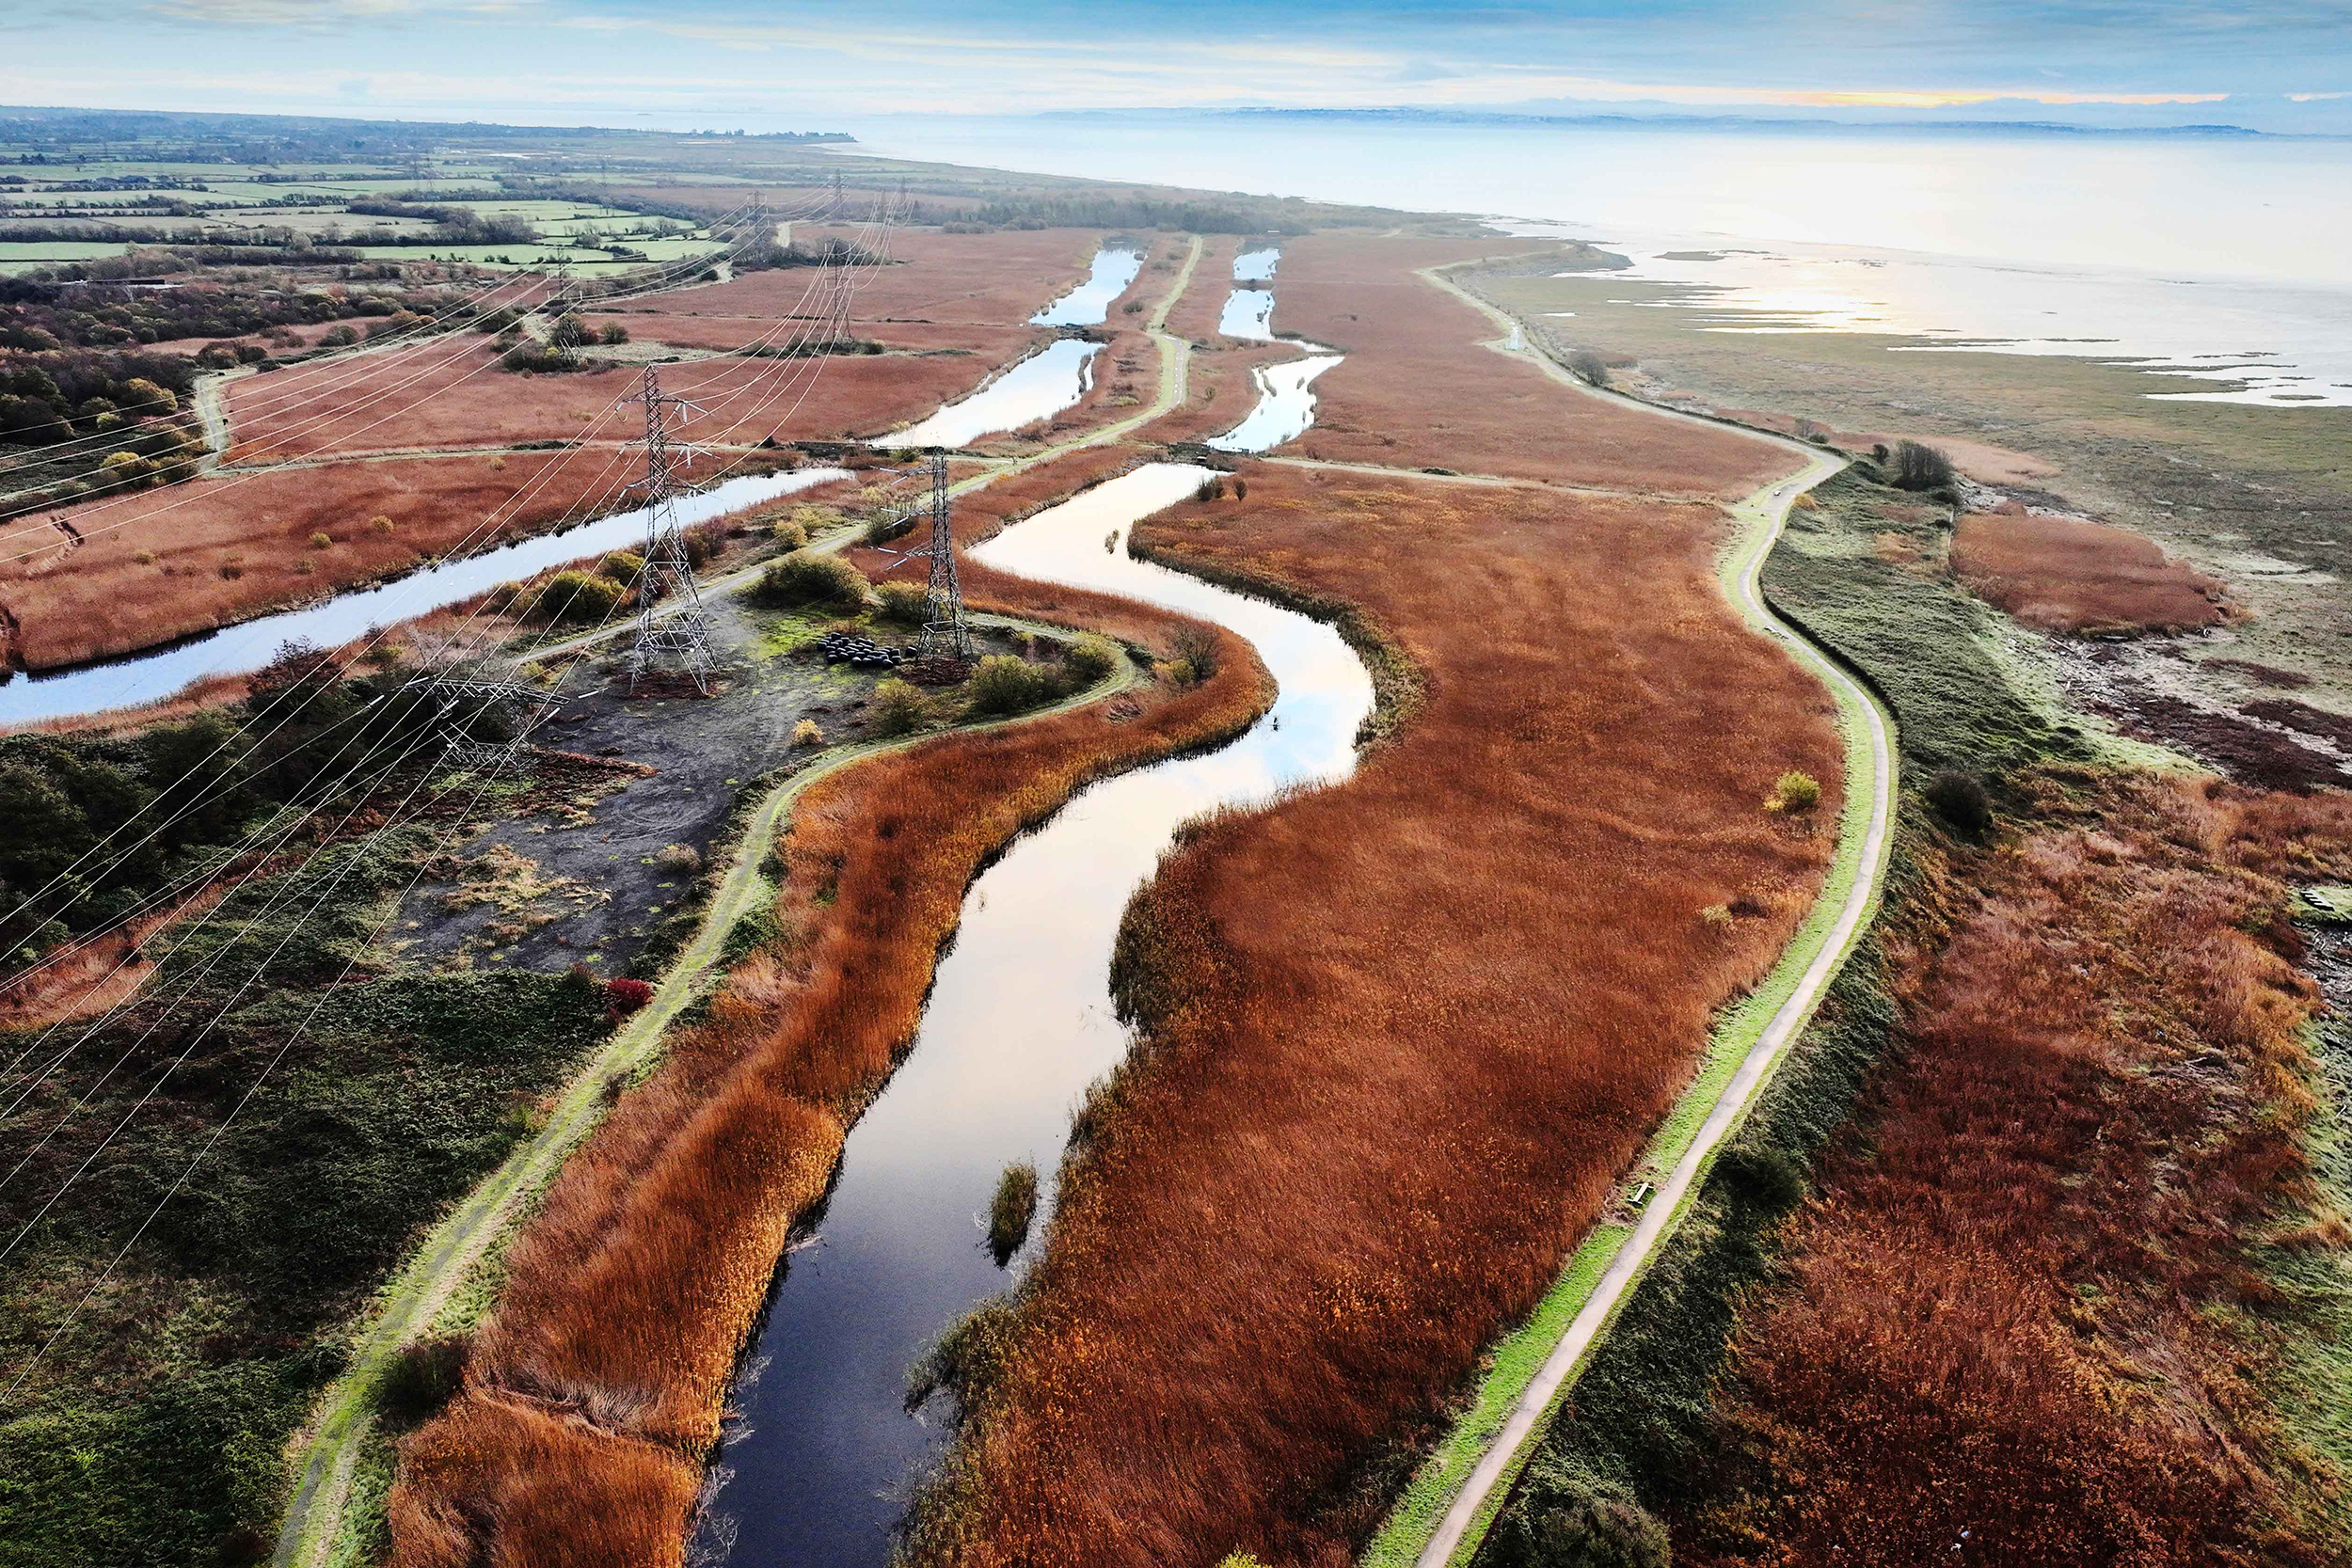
597 1384
1404 1034
2013 1322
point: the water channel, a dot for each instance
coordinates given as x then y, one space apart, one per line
1090 303
1285 405
159 672
1046 382
1038 387
1018 1025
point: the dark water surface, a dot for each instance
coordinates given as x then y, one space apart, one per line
1018 1025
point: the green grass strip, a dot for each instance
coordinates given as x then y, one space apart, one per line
1408 1531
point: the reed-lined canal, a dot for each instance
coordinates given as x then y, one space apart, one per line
1019 1023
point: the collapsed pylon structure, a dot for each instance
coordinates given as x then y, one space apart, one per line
677 635
461 703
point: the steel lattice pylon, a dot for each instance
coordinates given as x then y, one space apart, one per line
944 627
680 635
450 694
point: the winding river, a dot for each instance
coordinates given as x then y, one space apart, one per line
818 1470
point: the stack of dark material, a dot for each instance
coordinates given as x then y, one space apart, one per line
840 648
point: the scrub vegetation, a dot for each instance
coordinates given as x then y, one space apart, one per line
153 1429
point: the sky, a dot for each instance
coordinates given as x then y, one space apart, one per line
2281 65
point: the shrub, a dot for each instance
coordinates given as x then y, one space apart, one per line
1918 466
322 539
1589 368
1794 791
624 996
338 336
1091 659
1241 488
423 1376
1012 1210
806 576
1765 1179
623 566
1004 684
1718 915
1563 1521
379 524
1196 656
123 470
144 398
906 603
1960 800
788 532
498 320
144 558
896 708
1211 489
570 332
614 333
575 599
682 858
805 733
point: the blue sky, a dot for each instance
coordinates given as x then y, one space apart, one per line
2276 64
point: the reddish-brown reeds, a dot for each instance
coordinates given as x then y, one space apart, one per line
598 1383
2007 1333
2066 573
163 564
1404 1032
1420 388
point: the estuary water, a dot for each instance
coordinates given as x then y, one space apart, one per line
821 1466
2212 253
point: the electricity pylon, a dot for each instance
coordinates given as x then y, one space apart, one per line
944 627
681 637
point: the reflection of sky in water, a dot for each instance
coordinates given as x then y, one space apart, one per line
1042 385
2215 330
240 649
1088 302
1256 266
1971 235
1248 314
1286 406
1019 1023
